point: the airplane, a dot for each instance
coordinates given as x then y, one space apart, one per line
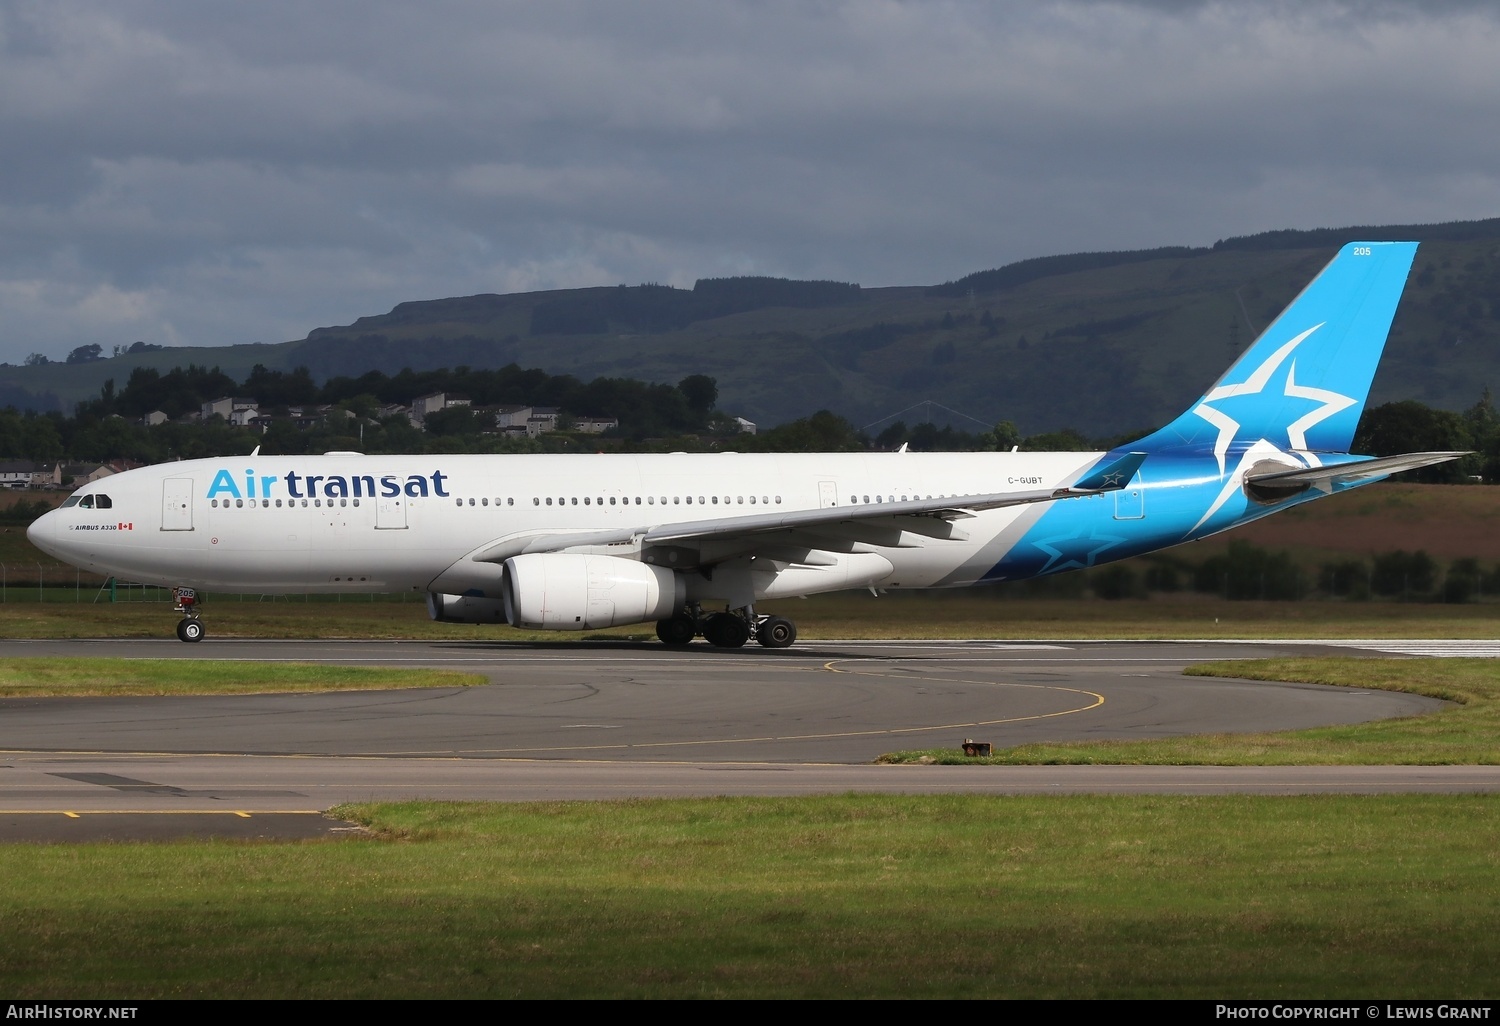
694 541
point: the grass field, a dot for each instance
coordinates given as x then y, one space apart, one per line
867 896
852 896
35 677
1467 733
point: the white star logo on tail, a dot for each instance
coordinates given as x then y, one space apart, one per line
1255 384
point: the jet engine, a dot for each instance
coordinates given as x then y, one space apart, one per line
563 591
465 609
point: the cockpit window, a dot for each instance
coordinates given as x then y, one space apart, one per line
87 502
71 500
102 502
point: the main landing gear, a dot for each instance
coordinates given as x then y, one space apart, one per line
185 601
728 629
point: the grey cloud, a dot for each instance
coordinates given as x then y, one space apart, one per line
225 173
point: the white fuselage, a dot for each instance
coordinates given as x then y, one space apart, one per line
352 523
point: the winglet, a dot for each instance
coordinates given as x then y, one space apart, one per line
1111 476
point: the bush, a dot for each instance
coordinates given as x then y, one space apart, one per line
1246 571
1162 576
1115 582
1461 584
1346 579
24 512
1404 575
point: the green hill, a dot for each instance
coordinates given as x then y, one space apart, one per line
1102 342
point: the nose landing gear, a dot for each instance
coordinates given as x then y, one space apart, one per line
185 601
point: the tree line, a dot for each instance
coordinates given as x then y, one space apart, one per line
652 416
1246 572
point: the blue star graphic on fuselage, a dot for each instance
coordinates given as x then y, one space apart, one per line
1074 551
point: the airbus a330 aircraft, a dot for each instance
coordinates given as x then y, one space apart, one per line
584 542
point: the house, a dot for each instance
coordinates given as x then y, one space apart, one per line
308 416
16 473
595 425
542 420
225 406
423 405
84 473
747 427
510 417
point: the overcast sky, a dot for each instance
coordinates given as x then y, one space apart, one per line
211 173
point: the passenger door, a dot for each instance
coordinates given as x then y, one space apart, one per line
390 513
177 504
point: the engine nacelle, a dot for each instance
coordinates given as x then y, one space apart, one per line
465 609
563 591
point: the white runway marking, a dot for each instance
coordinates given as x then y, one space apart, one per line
1436 648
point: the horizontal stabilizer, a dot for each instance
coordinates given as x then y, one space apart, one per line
1353 473
1113 476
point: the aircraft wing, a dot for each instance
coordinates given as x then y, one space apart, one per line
929 517
1352 473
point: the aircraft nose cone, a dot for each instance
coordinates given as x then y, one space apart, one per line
42 530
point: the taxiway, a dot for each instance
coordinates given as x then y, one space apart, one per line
604 720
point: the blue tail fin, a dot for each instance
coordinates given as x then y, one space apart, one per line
1302 385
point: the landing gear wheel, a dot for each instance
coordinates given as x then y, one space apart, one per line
678 630
726 630
189 629
776 632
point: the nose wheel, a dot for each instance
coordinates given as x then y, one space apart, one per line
185 601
